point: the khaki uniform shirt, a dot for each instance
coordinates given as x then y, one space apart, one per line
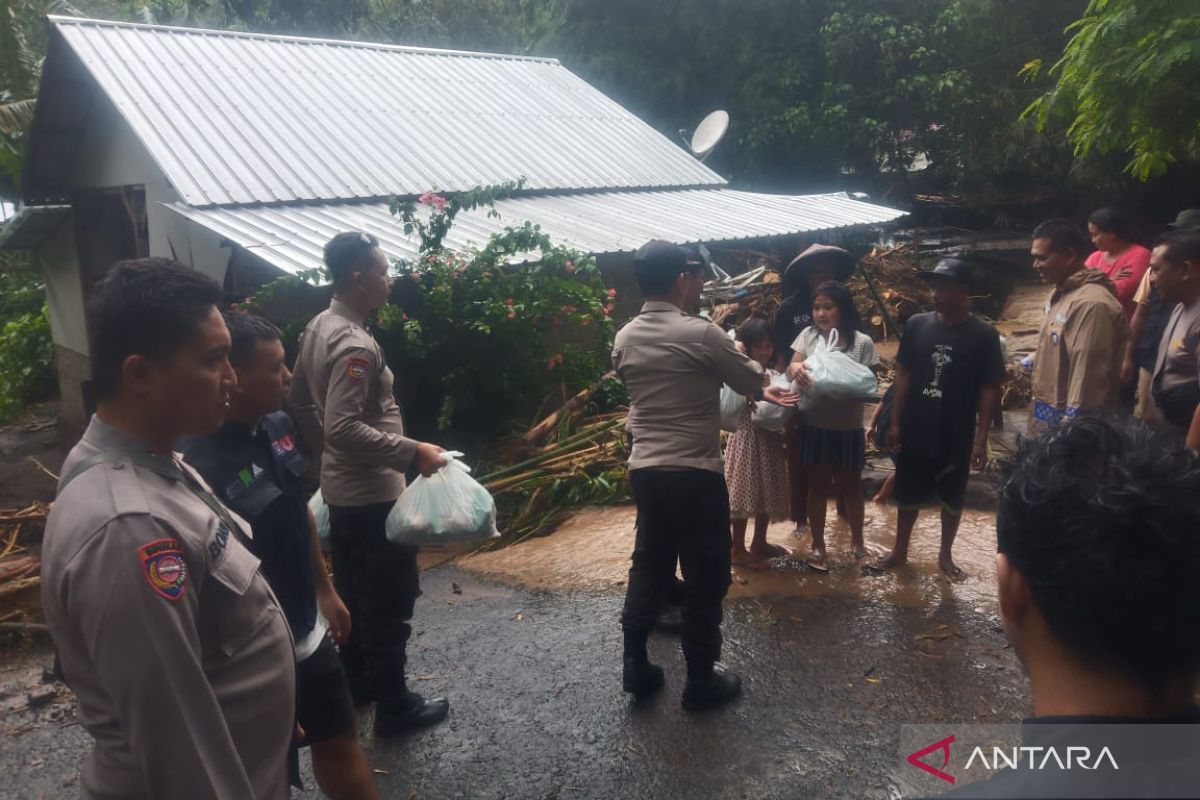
172 641
1080 348
1178 362
342 401
673 366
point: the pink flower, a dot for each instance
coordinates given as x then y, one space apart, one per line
608 309
512 315
570 267
558 358
404 317
550 364
508 302
612 293
433 199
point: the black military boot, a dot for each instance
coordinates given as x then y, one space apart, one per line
641 678
716 688
413 712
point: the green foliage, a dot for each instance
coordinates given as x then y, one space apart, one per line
486 334
26 363
1126 83
26 348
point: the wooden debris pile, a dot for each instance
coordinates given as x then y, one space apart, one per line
893 284
19 566
573 457
754 293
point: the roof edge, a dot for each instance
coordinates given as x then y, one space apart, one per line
15 234
59 20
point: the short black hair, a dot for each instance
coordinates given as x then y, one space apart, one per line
1101 516
1182 245
344 252
755 330
1110 220
147 306
245 331
1063 234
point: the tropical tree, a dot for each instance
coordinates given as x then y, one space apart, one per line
1129 81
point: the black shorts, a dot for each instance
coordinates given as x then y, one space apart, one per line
323 705
921 479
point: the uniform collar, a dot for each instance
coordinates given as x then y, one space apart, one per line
241 429
660 305
105 437
343 310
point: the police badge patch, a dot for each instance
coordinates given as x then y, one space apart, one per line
356 369
164 567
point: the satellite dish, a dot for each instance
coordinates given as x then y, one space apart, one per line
709 133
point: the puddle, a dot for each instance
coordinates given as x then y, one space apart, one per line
591 551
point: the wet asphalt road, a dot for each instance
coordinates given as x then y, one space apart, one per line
537 710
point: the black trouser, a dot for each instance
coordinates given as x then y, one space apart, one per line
379 583
684 515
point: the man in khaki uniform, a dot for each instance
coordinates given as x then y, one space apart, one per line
1077 366
1175 387
674 365
172 641
341 398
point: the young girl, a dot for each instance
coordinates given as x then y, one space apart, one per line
832 445
755 465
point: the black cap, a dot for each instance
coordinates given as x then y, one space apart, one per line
951 269
1188 219
664 258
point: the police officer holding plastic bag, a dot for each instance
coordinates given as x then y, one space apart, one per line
673 365
341 398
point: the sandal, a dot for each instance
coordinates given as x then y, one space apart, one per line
817 564
956 575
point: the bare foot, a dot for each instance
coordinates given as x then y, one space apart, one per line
768 550
881 565
952 570
880 498
738 556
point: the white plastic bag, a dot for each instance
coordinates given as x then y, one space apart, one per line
769 416
836 376
449 507
320 512
732 404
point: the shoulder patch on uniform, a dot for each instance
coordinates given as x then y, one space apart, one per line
164 567
357 368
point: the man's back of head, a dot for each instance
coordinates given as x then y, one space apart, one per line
1099 567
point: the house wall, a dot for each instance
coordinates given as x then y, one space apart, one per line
109 157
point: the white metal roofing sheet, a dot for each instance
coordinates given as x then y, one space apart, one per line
292 237
249 118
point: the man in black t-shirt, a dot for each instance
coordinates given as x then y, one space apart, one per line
948 375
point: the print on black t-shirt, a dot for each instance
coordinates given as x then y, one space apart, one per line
948 364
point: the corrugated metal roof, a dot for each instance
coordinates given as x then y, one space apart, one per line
249 118
291 237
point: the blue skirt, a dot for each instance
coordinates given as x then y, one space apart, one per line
843 450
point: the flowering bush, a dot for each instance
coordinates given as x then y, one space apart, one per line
482 337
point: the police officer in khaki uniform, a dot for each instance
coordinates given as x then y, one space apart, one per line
172 641
342 400
674 364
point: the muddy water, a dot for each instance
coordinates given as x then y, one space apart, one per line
591 551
